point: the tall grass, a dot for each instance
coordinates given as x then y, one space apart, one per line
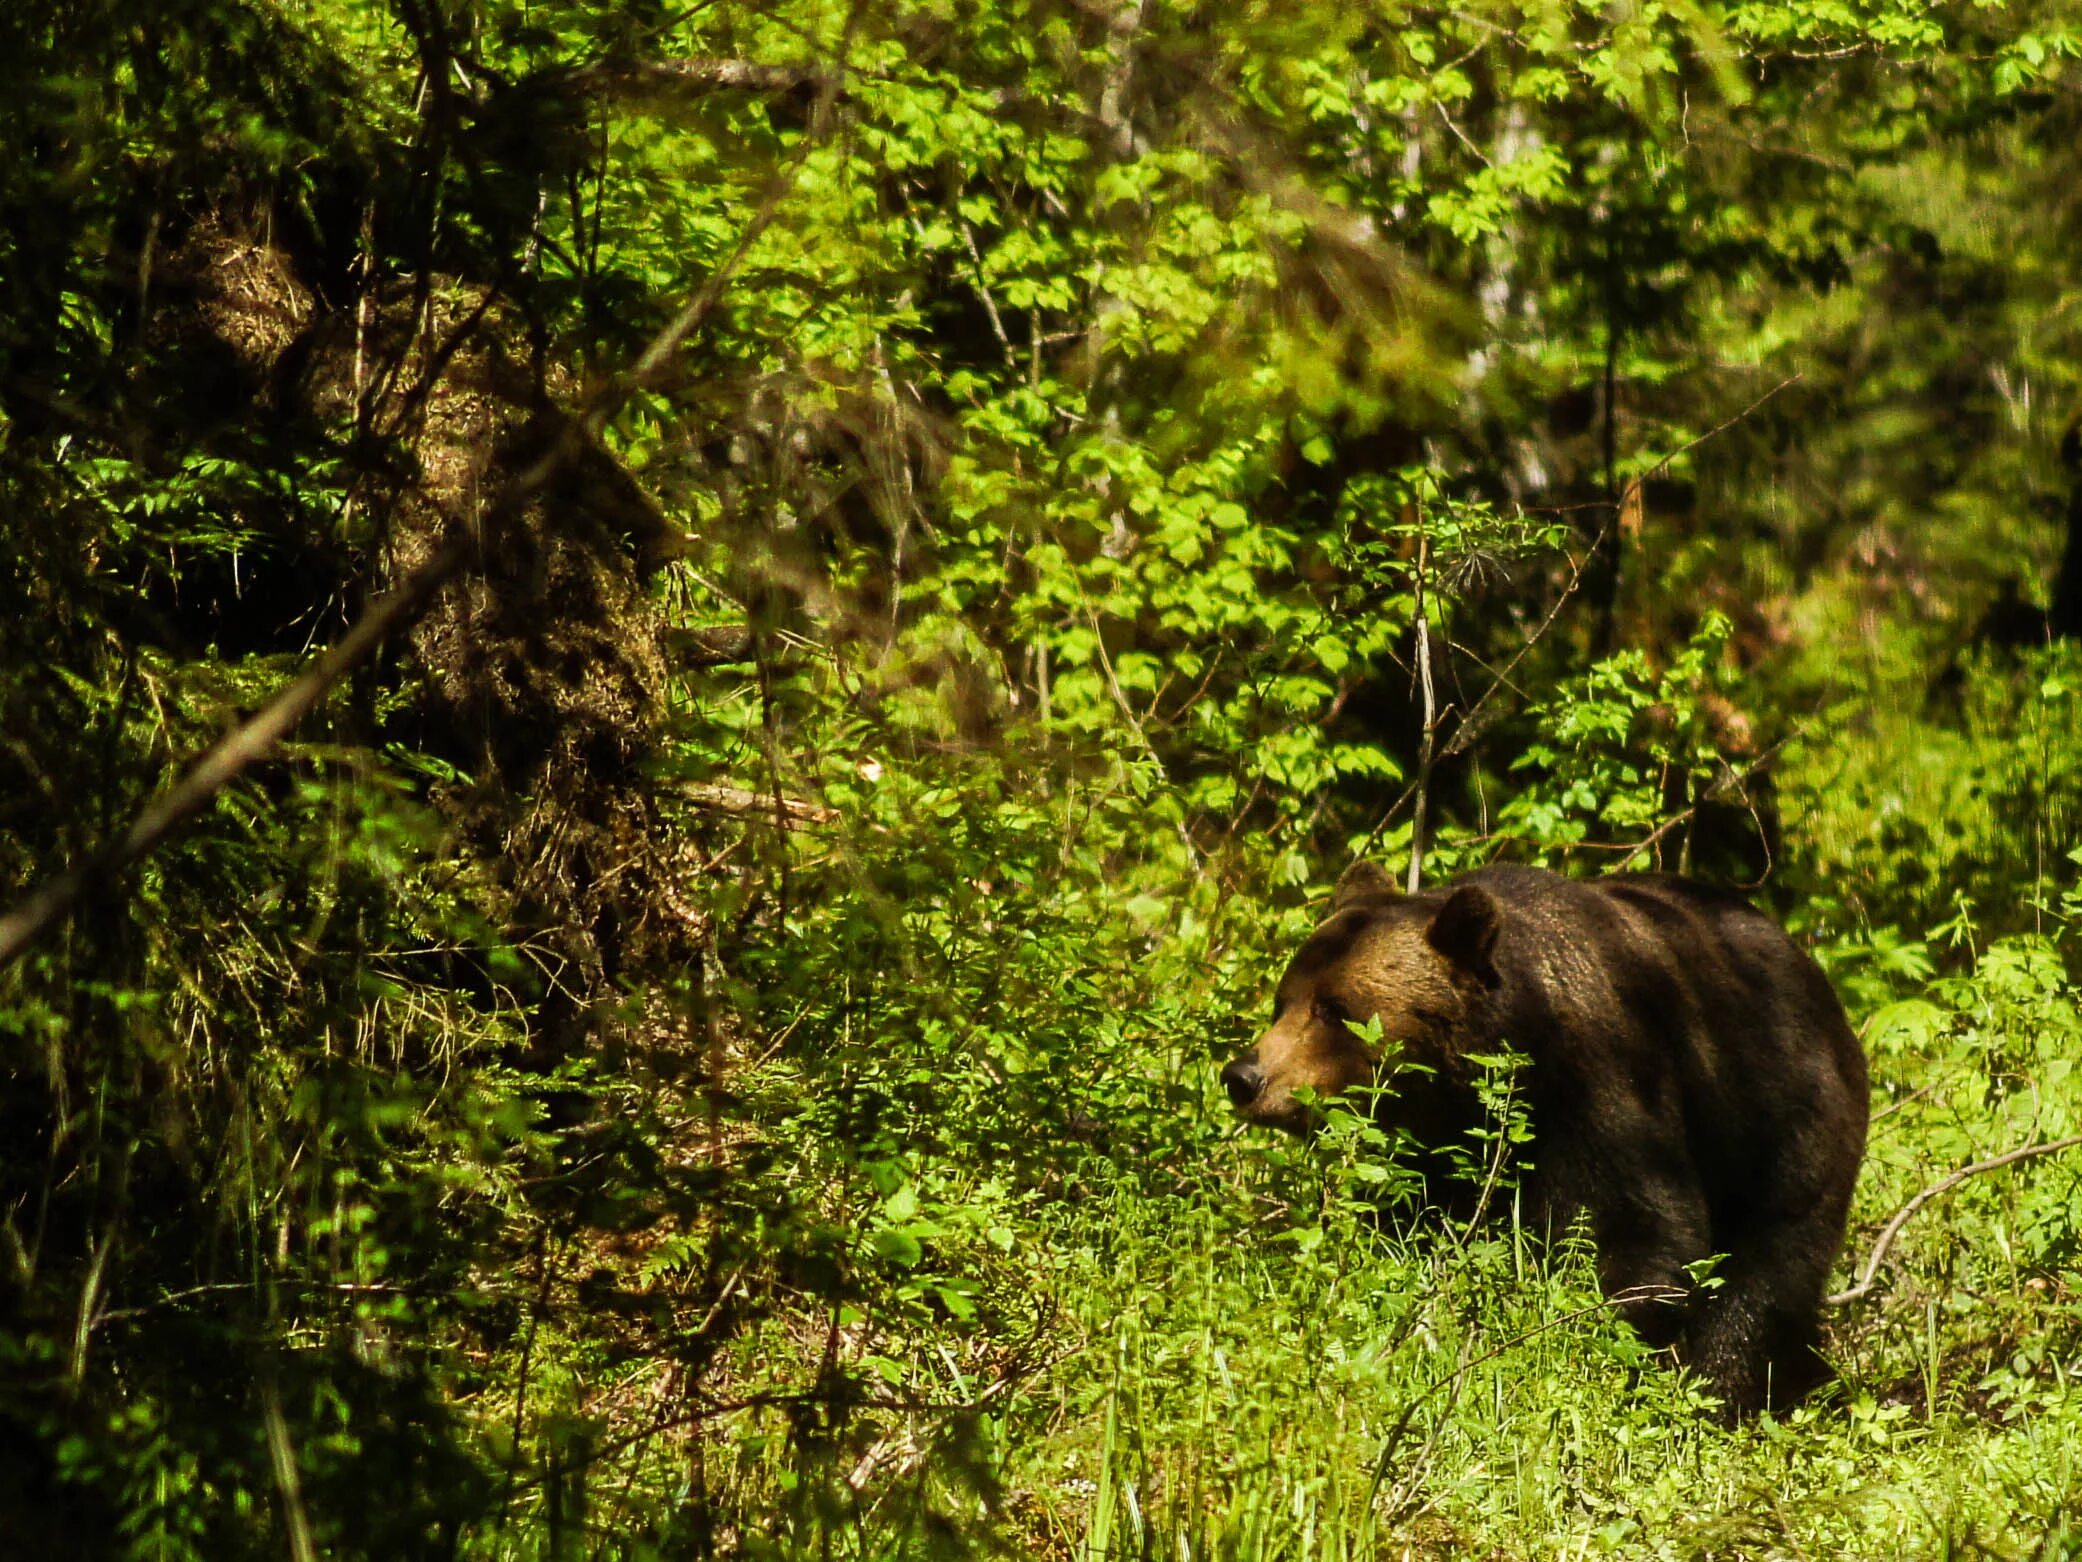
1257 1359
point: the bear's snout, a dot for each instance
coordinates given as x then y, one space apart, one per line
1243 1079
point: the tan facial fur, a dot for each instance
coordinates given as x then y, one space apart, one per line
1360 964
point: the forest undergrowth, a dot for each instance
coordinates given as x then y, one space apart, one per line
1161 1335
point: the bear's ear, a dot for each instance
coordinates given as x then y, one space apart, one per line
1362 881
1464 930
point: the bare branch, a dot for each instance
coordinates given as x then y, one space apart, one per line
1870 1273
1427 738
990 304
737 800
1730 779
1470 726
695 76
1480 714
649 372
1721 427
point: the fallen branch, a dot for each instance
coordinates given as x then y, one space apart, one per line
1892 1229
738 800
693 76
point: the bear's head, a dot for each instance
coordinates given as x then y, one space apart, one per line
1423 965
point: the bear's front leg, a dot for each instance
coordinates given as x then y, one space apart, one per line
1649 1238
1756 1338
1647 1214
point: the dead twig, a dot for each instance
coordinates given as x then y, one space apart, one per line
1127 710
1721 427
649 372
1470 726
719 645
1478 716
1878 1256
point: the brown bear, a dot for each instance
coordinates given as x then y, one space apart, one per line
1692 1086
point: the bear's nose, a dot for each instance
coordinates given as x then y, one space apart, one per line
1243 1079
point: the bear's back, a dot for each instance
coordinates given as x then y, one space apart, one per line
1650 987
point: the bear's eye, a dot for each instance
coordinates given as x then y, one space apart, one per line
1428 1017
1331 1012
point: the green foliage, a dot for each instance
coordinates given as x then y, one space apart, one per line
1927 815
1626 750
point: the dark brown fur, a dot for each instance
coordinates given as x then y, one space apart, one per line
1693 1087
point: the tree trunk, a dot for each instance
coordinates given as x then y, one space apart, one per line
2064 617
